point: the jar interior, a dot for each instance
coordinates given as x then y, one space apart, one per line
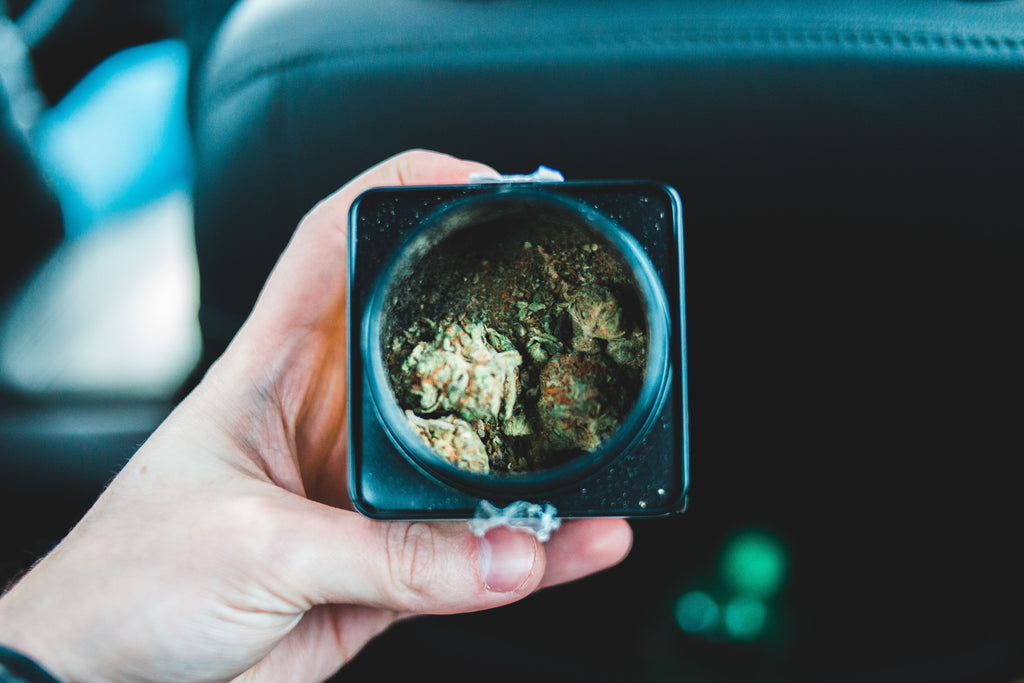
514 336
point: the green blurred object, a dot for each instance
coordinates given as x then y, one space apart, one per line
754 563
745 617
697 612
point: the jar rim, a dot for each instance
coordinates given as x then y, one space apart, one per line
433 230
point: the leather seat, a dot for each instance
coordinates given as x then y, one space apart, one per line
772 118
850 175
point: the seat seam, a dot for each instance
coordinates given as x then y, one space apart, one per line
853 40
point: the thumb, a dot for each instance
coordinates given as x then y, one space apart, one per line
411 567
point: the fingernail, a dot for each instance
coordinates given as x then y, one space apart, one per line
506 559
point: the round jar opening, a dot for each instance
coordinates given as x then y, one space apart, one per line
516 343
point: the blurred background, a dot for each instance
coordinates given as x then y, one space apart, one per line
850 174
100 285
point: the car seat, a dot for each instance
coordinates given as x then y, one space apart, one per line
850 175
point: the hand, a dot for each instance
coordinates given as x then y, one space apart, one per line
227 546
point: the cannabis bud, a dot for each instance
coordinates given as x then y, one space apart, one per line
564 385
469 371
596 313
577 406
453 439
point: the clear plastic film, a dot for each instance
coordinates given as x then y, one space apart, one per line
539 520
543 174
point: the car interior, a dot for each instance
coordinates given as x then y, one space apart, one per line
851 177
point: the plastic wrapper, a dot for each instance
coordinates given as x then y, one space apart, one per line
543 174
539 520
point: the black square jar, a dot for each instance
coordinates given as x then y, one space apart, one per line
397 238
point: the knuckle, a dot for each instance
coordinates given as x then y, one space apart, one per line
411 555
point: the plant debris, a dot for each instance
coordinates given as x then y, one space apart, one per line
517 354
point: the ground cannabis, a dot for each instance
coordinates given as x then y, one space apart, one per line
516 353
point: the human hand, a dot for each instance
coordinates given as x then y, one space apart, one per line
227 546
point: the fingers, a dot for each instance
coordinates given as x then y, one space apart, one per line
310 277
414 167
584 546
441 568
327 638
414 567
299 321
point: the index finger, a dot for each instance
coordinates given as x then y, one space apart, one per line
309 282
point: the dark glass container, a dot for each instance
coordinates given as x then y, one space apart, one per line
413 240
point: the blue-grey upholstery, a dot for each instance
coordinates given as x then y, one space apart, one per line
851 176
780 121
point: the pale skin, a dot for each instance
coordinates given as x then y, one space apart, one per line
227 547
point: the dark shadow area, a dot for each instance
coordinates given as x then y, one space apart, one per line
880 454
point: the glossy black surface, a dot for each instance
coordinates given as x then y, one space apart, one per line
649 478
